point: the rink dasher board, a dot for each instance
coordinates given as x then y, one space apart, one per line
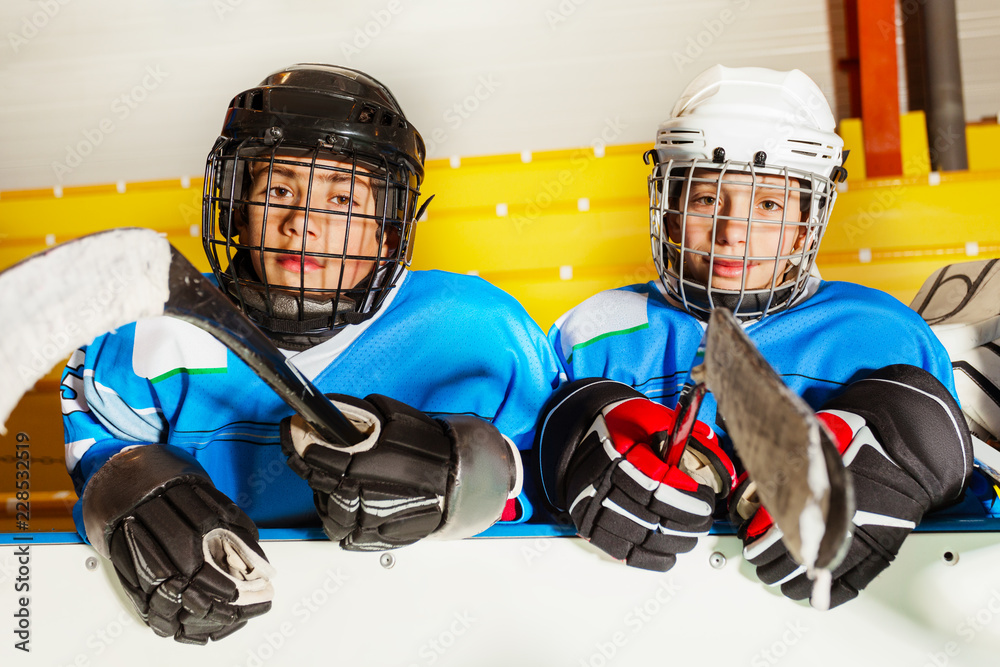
528 601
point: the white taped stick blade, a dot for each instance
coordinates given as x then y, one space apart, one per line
822 583
961 302
57 300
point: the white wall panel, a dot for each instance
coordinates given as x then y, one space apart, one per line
546 601
559 72
525 74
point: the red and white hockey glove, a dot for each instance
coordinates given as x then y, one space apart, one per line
598 447
411 477
907 449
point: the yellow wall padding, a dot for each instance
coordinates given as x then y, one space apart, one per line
983 142
854 141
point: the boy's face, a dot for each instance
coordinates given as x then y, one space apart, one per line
737 204
329 201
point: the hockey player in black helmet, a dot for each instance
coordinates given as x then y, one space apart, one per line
179 451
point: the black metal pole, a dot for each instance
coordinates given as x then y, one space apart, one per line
945 107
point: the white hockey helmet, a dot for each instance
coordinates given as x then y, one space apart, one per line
733 127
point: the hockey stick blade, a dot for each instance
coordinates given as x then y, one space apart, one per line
800 477
64 297
961 302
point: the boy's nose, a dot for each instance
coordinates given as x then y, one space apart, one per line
301 221
730 230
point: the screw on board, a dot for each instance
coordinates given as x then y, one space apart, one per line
90 563
717 560
387 560
949 558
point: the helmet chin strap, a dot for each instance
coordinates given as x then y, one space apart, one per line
699 300
748 306
284 324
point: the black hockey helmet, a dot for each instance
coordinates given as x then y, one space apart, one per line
324 119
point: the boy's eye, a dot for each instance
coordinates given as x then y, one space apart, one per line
279 191
341 200
769 205
705 200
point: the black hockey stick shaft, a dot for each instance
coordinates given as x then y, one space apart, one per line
194 299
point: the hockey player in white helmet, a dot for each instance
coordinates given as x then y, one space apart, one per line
743 181
743 184
179 451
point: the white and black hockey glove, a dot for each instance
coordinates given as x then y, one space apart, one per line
187 557
597 449
411 477
907 449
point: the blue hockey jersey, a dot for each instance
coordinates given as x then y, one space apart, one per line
443 343
839 334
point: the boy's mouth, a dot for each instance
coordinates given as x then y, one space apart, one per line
729 268
295 264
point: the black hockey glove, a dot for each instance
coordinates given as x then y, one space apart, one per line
186 556
412 477
907 449
598 462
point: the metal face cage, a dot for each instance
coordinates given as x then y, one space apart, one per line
292 310
672 211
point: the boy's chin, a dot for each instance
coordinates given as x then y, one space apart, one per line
310 292
735 286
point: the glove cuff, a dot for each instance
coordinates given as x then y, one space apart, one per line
486 471
711 468
358 412
248 569
129 478
918 424
567 417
